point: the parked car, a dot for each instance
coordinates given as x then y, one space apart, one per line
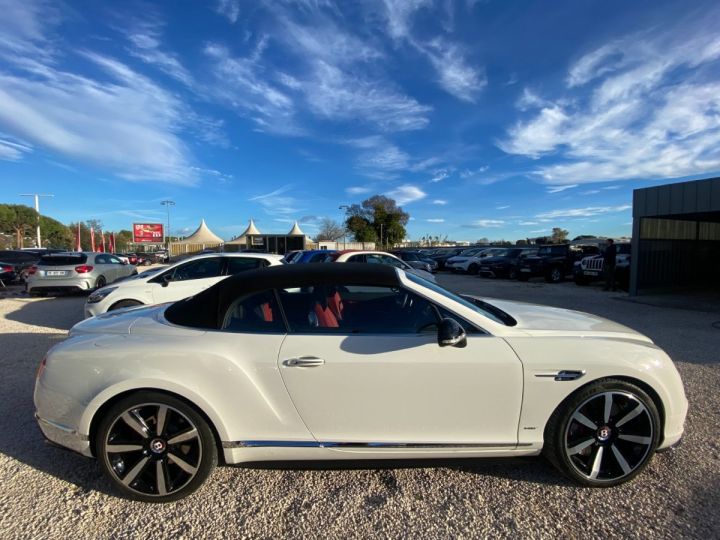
554 262
16 263
458 262
76 272
313 256
442 255
180 280
417 260
342 361
503 263
160 256
291 255
470 261
377 257
590 268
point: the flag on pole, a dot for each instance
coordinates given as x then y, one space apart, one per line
111 242
92 239
101 247
78 243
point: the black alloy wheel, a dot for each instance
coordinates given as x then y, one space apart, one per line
155 448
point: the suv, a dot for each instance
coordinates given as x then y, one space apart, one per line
591 268
554 262
504 264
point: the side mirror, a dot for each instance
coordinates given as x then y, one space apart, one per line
166 279
451 334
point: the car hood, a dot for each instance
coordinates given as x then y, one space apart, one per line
146 320
539 320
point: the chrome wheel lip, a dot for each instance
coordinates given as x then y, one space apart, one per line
606 440
157 457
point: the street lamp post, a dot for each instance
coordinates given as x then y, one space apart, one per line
37 209
166 234
344 207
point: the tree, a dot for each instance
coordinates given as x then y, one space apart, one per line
18 219
55 234
377 218
330 231
559 235
521 242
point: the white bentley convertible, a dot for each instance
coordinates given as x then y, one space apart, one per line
352 361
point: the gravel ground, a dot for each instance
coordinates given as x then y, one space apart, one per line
50 493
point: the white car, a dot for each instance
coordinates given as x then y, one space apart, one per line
75 272
175 282
470 263
352 361
458 262
377 257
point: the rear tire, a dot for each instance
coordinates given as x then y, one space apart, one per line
473 269
101 282
153 447
124 303
604 434
554 275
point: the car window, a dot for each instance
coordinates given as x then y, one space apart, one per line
102 259
392 261
254 313
357 310
358 259
114 260
198 269
317 258
235 265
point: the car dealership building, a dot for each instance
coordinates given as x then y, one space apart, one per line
676 237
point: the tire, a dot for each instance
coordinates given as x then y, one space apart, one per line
512 274
473 269
603 455
123 304
162 470
554 275
101 282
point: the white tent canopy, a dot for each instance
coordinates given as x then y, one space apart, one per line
295 231
203 235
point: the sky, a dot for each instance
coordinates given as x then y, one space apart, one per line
481 118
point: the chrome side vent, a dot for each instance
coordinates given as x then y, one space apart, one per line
564 375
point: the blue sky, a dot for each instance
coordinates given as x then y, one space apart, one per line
498 119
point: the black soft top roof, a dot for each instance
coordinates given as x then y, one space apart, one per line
207 309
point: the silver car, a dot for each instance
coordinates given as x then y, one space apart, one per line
76 271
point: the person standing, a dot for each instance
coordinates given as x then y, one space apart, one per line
609 261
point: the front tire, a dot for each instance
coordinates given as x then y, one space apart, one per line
154 447
604 434
473 269
554 275
101 282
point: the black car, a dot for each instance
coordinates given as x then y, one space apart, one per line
504 264
16 263
417 260
554 262
441 256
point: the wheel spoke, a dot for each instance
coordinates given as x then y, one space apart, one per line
119 448
621 460
636 439
161 417
136 425
608 406
186 436
135 471
579 447
584 420
160 475
597 462
632 414
184 465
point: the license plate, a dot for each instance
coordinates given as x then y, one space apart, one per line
56 272
591 273
525 270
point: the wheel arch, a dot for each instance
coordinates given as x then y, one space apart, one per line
109 401
648 389
138 302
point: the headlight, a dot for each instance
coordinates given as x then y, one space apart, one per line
100 295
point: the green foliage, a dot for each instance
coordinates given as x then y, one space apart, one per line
55 234
19 220
377 219
559 235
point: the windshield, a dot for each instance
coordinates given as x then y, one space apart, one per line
478 306
469 252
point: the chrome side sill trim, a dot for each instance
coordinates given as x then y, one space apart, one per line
315 444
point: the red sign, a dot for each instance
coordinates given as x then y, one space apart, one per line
148 233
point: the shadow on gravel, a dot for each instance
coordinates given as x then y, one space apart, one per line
58 313
535 470
22 439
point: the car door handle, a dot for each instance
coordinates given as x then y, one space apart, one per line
304 361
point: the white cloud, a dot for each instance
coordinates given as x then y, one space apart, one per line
439 175
435 220
230 9
504 207
487 223
440 202
583 212
378 156
147 47
455 75
406 194
399 14
559 189
528 223
357 190
471 173
644 106
11 150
